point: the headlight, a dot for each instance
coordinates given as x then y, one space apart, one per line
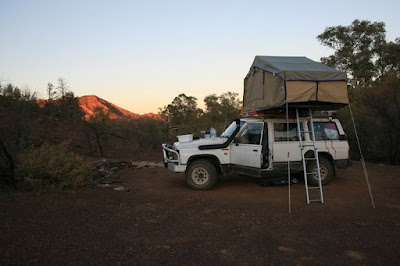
172 156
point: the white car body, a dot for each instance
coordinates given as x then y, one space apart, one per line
263 158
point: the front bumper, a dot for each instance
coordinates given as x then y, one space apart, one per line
176 168
170 162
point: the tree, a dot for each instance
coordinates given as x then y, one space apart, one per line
50 91
358 49
62 87
182 110
65 106
220 110
99 123
7 168
389 58
223 108
69 108
373 68
19 108
11 92
230 105
383 102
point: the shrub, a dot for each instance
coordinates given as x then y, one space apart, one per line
147 132
52 168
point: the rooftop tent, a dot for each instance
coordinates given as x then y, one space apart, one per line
301 82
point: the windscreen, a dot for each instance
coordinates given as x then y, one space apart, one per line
229 130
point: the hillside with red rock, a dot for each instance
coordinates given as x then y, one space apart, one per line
90 103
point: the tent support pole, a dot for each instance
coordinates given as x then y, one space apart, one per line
362 159
288 154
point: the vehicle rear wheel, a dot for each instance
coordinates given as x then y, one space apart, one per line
326 169
201 175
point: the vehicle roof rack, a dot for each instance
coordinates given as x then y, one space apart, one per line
291 114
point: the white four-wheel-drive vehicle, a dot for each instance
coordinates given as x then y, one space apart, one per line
259 147
268 146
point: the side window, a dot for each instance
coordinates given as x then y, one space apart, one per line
324 131
280 132
251 134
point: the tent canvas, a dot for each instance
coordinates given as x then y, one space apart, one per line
274 81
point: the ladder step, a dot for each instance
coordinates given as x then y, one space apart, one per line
309 159
313 187
309 173
306 131
316 200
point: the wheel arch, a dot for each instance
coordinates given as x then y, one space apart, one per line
324 154
212 158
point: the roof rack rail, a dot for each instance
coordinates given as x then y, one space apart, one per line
279 114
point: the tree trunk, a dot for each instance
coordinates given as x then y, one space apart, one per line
88 140
392 148
8 178
99 145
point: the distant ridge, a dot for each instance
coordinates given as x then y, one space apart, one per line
89 103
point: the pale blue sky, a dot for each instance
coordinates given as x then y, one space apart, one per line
141 54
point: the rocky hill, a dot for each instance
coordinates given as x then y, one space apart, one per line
90 103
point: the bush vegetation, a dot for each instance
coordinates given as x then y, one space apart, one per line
376 111
52 168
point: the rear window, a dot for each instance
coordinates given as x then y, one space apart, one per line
324 131
280 132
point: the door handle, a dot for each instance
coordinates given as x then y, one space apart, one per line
255 150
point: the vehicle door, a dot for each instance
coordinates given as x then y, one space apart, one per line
282 145
247 149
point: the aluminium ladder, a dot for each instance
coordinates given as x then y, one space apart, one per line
304 159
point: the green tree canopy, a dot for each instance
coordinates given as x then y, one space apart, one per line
389 59
222 108
361 50
182 110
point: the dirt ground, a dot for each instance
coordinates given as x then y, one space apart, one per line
161 221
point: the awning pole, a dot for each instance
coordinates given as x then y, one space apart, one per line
288 152
362 159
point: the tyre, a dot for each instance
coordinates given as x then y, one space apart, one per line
326 169
201 175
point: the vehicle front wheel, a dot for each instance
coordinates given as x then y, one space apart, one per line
326 170
201 175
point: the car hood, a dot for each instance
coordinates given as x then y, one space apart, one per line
198 142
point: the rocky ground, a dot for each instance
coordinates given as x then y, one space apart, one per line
156 219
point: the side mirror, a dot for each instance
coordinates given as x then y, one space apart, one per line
237 121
